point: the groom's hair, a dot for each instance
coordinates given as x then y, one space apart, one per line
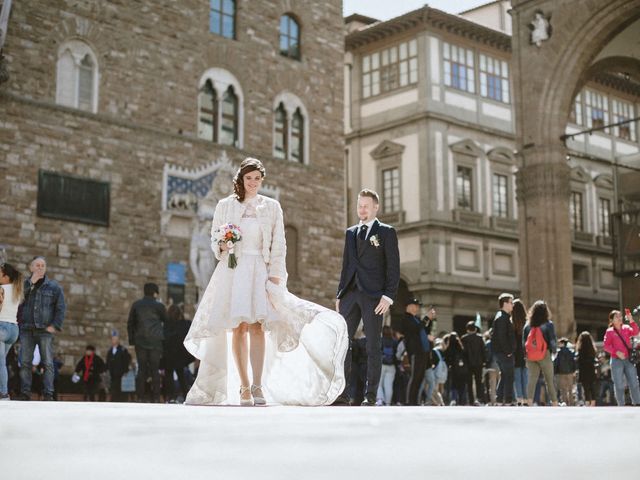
371 194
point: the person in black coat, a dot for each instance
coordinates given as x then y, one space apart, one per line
89 368
417 344
474 347
368 286
175 356
503 344
146 332
118 363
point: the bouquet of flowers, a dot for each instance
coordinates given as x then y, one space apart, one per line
229 234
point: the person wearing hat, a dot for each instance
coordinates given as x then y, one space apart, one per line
474 346
417 344
118 361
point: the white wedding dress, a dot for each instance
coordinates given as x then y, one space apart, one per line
306 343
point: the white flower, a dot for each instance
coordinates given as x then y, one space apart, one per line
230 245
375 241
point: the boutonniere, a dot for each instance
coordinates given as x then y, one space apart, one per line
374 240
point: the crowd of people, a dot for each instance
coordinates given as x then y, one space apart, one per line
32 311
519 361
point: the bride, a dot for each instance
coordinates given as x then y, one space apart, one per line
298 347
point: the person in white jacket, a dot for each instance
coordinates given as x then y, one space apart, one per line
249 298
11 284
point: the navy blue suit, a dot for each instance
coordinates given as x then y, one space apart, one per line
370 269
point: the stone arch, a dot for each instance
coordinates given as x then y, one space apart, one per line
568 71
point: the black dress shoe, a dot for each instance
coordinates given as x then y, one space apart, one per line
23 397
342 401
369 401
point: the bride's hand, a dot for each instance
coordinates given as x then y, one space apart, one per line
275 280
223 247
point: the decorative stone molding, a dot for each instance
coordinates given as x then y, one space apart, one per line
387 149
467 147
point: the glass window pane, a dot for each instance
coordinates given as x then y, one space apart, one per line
229 6
413 70
227 27
413 48
446 51
393 55
385 57
366 62
214 23
283 24
215 4
293 29
403 51
375 61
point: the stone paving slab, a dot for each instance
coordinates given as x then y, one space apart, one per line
88 441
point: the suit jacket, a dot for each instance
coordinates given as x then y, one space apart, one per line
375 269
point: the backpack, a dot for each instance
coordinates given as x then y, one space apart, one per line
536 345
441 371
565 361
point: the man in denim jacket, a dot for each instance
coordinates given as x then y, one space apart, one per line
42 316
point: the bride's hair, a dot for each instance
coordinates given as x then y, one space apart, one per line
248 165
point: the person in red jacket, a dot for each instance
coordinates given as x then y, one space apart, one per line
618 344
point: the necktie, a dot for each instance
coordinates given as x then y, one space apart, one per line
363 233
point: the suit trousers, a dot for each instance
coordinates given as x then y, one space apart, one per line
356 306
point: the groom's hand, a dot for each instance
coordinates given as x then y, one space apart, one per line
382 307
338 305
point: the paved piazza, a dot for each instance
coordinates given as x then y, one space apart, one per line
67 440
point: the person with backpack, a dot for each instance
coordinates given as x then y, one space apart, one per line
565 368
540 342
458 361
519 317
617 343
388 375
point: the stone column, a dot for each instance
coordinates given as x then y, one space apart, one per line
546 269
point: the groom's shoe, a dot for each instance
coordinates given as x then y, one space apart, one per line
369 400
342 401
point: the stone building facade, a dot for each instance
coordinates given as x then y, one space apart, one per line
434 130
157 100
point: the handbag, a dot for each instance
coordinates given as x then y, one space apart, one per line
633 352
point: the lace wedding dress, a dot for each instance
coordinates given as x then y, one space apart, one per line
305 343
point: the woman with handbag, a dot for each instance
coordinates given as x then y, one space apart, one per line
618 343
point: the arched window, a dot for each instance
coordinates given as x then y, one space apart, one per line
281 135
289 37
291 129
297 137
222 18
220 108
77 76
229 123
208 122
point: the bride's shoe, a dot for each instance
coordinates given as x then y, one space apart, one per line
258 399
246 402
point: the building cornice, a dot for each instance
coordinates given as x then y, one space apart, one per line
361 132
428 17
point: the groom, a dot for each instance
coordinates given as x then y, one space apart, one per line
368 287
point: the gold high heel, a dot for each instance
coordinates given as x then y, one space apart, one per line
243 402
258 399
